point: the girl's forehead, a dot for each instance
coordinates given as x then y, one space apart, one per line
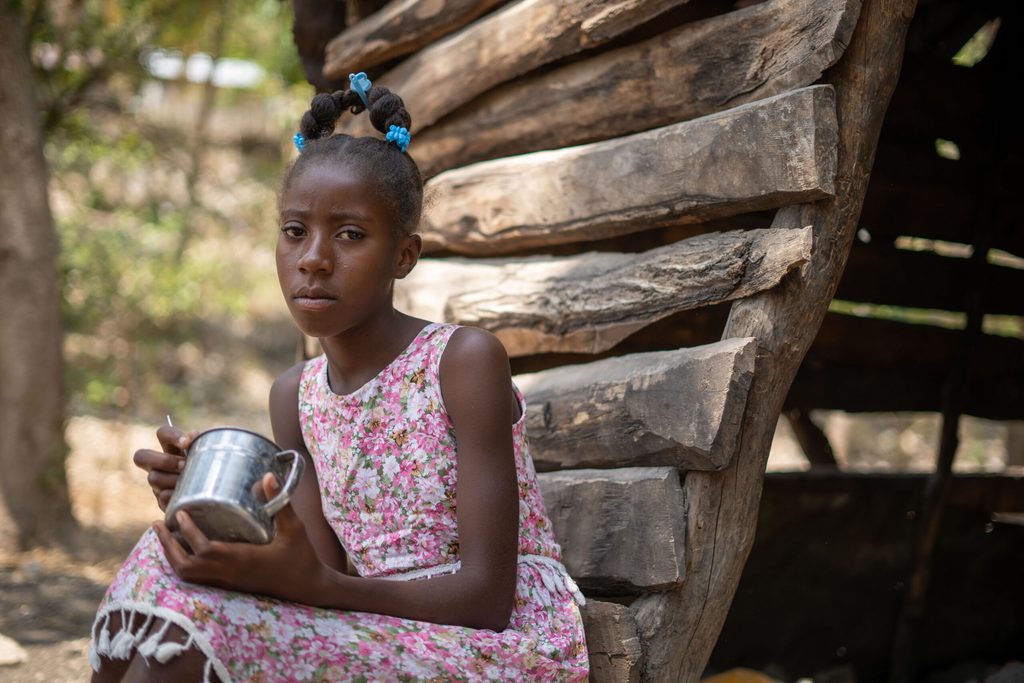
329 187
318 177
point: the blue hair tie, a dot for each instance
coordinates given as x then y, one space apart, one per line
399 135
361 85
300 141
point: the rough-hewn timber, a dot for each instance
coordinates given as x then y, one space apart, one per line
757 156
680 408
592 301
397 29
505 44
622 531
757 52
679 628
612 643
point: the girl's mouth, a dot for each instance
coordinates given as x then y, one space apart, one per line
312 303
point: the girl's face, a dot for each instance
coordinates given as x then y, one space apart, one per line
337 254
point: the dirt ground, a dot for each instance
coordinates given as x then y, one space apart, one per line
49 597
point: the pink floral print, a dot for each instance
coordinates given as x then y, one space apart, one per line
385 458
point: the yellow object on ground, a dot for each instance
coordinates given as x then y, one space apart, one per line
740 676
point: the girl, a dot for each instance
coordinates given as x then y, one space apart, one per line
419 475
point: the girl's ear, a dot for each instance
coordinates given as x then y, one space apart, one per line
409 248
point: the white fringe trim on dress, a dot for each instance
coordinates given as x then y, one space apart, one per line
553 575
122 644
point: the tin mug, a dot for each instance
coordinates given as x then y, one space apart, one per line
221 486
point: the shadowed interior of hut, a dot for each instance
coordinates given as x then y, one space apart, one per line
885 575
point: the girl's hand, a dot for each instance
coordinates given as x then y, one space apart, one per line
164 467
286 568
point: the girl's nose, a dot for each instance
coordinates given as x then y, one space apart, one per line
317 256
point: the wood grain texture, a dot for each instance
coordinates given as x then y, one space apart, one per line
621 530
757 156
680 408
397 29
679 628
690 71
504 45
612 644
590 302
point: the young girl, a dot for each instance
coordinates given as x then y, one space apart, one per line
418 475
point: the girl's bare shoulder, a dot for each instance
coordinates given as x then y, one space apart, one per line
469 349
284 403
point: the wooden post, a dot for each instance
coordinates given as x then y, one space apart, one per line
812 438
680 628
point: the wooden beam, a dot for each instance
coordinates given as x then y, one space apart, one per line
680 627
862 364
757 156
812 438
357 10
397 29
588 303
503 45
694 327
314 24
612 644
622 530
758 52
879 273
680 408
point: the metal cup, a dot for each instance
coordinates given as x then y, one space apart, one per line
221 489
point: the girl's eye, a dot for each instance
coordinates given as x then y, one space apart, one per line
351 235
293 231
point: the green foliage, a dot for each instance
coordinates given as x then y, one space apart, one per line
164 251
130 299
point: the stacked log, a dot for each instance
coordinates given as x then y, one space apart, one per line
545 127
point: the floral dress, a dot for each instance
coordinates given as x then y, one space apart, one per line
386 462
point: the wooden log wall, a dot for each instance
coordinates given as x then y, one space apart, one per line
675 123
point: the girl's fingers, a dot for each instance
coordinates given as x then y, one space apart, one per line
192 534
174 440
161 480
149 460
175 554
286 518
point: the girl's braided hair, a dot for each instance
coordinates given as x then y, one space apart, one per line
393 172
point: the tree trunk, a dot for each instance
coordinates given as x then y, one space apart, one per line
33 488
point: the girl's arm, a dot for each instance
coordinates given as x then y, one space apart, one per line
476 387
477 391
284 421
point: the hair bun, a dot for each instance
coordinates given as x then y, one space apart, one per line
387 109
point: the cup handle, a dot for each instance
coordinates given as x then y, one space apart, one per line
274 505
